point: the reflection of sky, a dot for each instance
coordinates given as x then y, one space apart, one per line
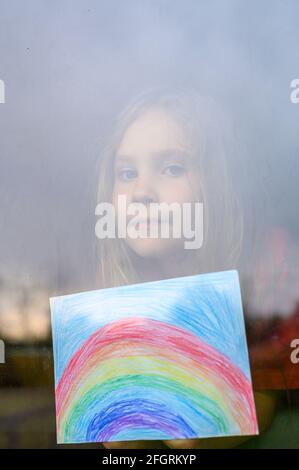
68 67
24 312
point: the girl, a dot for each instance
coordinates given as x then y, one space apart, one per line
173 147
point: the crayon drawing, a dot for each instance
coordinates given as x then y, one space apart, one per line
158 360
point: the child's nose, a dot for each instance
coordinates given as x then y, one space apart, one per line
144 191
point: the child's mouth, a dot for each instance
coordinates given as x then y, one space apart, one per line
150 222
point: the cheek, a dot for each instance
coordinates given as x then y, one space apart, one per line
180 190
121 190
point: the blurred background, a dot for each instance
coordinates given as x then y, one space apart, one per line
69 67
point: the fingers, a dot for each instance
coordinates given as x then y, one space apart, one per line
134 445
210 443
183 444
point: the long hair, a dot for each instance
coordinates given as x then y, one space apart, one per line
214 150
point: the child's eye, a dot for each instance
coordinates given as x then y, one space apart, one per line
174 170
126 174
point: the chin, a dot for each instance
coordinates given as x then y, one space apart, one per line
155 248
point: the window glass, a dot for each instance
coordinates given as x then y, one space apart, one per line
190 101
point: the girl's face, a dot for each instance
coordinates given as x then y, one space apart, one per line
153 165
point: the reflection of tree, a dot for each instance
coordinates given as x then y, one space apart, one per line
24 311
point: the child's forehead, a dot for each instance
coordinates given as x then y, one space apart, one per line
177 154
156 133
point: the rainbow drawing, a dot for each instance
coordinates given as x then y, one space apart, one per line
158 360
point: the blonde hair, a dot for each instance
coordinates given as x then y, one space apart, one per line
215 149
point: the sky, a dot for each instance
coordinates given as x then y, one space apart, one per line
70 66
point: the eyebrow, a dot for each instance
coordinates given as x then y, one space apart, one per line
164 154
